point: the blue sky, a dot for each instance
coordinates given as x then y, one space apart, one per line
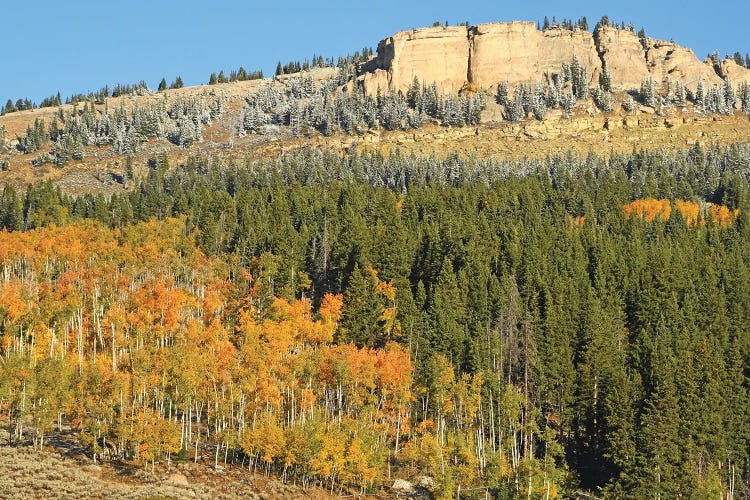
81 45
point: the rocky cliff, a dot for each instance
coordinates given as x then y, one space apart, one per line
623 55
669 61
517 52
488 54
437 55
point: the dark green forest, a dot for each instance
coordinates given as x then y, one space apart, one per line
625 341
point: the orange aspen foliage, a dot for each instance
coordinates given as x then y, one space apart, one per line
330 314
12 302
330 307
395 371
721 215
689 211
648 209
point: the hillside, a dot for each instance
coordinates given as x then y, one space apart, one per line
487 262
478 58
62 473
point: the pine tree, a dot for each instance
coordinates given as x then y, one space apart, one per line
177 83
739 59
648 92
680 97
602 99
660 439
729 96
213 80
9 107
700 97
605 79
643 38
361 321
502 94
413 95
162 85
447 314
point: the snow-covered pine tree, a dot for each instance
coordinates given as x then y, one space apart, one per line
647 93
568 102
514 111
728 91
679 97
605 79
743 95
502 94
700 97
602 99
254 120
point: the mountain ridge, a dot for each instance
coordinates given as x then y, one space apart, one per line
491 53
526 55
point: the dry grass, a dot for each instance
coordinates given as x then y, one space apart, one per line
26 473
63 471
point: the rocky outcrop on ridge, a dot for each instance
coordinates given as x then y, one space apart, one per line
517 51
487 54
735 72
623 55
438 54
669 61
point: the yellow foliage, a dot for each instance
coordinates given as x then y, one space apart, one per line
689 211
648 209
721 215
12 301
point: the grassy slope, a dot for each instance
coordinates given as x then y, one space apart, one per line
588 130
29 473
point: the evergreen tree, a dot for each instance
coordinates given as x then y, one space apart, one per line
362 321
739 59
643 38
448 329
647 93
605 80
700 97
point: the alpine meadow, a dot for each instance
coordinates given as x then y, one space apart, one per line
502 260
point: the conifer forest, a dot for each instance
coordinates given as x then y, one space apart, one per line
528 329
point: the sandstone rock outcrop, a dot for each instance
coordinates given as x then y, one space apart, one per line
518 52
736 73
488 54
668 61
439 54
623 55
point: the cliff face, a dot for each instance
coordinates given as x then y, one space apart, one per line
517 52
669 61
735 72
624 57
437 55
488 54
